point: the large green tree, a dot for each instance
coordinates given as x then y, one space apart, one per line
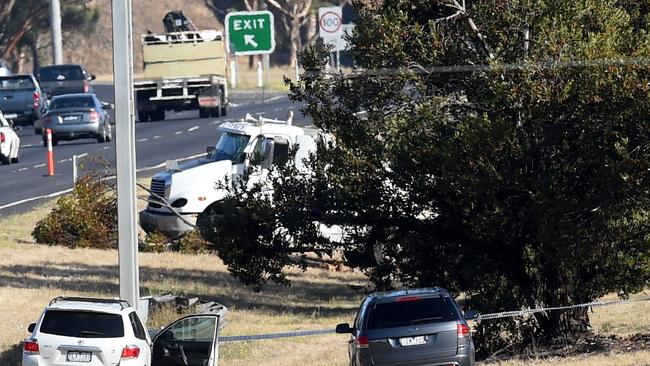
503 151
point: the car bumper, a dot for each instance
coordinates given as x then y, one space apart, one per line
464 357
74 131
167 223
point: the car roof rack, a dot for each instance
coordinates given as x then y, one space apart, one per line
122 303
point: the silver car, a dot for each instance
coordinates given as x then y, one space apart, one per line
418 327
78 116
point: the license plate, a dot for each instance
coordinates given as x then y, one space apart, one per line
77 356
71 118
412 341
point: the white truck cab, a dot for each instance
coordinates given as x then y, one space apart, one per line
192 187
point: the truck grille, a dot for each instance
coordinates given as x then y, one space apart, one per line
157 187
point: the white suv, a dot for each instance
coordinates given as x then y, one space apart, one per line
94 332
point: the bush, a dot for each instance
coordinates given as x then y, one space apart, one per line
87 218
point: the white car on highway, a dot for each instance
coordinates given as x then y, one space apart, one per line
99 332
9 142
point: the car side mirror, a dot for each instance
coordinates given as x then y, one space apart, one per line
471 315
267 153
108 105
92 77
343 328
209 151
31 327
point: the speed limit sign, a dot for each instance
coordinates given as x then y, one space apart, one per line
330 22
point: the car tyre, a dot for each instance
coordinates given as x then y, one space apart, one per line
16 159
224 111
6 160
109 135
38 131
143 116
215 112
204 112
102 137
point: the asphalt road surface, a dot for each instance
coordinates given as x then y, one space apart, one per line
181 135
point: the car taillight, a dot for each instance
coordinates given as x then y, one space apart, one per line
361 342
86 86
408 298
463 331
2 137
30 347
94 116
130 352
37 99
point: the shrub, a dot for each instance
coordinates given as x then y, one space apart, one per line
87 218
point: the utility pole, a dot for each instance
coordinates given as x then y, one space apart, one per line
125 152
55 27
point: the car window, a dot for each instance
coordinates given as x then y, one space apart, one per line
82 324
136 324
412 312
16 83
280 152
68 102
61 73
196 329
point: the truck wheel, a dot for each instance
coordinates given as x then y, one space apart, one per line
204 112
215 112
160 114
143 116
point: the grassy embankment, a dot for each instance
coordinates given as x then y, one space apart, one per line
31 274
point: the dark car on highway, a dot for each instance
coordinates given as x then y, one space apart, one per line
64 79
78 116
21 95
415 327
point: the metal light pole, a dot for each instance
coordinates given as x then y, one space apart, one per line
55 27
125 152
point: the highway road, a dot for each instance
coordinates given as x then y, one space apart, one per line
180 136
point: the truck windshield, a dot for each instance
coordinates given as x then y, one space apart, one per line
231 147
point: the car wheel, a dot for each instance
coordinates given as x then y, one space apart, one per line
55 142
204 112
215 112
102 137
16 159
38 131
5 160
109 135
224 111
44 141
143 116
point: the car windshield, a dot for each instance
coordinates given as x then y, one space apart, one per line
230 147
407 313
61 73
16 83
76 102
82 324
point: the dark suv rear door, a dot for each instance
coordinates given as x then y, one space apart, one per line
63 79
412 328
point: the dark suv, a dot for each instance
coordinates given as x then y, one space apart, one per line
422 327
64 79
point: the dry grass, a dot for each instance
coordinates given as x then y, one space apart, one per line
624 359
30 275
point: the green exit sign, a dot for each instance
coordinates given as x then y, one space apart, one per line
250 32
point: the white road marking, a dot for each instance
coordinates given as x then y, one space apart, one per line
157 137
143 139
274 98
192 128
38 165
28 145
178 132
22 169
62 161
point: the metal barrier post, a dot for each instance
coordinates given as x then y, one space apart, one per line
50 153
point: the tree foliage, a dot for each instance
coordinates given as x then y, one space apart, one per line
503 152
25 20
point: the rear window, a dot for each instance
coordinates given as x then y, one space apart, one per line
412 312
78 102
82 324
61 73
16 83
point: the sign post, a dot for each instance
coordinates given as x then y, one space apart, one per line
250 32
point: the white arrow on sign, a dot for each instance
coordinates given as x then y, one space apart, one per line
250 39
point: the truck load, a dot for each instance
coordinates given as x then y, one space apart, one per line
183 69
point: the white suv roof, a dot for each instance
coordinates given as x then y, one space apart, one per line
105 306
